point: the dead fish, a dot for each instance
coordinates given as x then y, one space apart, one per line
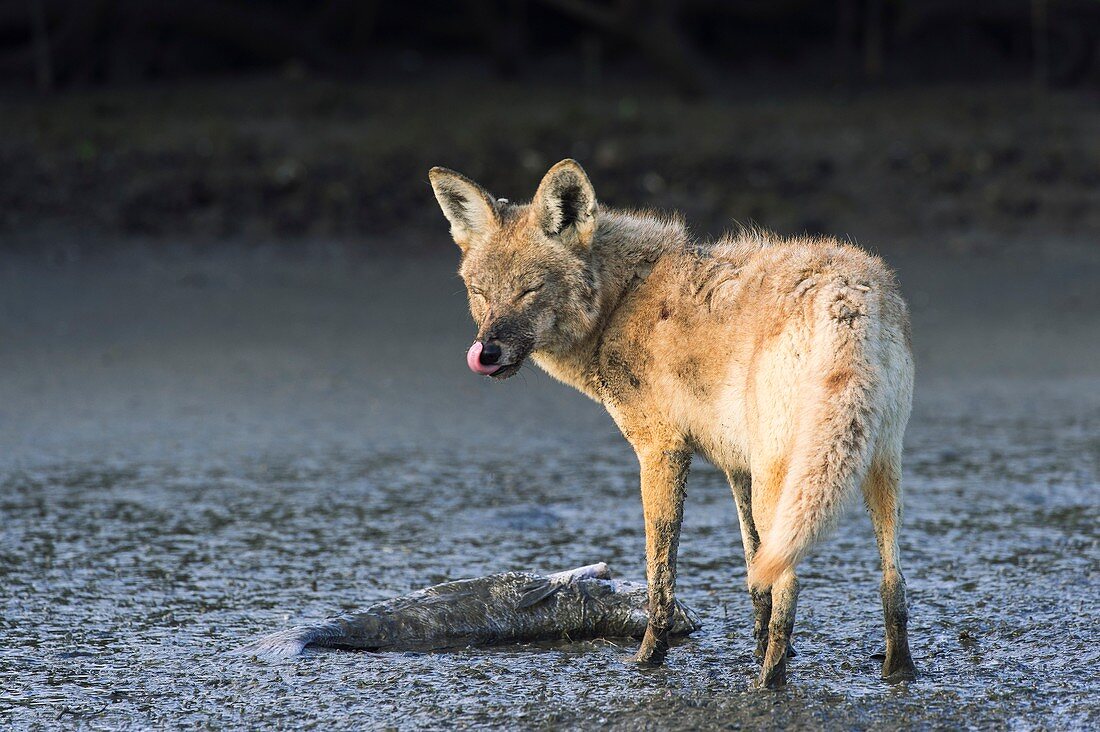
512 607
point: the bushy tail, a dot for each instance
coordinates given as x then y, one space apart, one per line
292 641
832 450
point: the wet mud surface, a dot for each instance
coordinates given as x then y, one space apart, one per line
196 450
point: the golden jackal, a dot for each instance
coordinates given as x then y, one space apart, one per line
786 362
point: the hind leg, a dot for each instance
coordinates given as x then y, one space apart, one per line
784 599
741 483
881 490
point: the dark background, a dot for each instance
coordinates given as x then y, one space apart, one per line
693 43
256 121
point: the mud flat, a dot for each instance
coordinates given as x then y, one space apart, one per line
198 447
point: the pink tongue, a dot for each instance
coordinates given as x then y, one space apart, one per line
473 360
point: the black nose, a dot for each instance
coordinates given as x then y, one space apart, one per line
490 354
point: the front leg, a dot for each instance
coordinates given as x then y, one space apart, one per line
664 472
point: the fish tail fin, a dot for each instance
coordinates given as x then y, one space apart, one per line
291 641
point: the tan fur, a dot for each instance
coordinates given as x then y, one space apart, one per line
786 359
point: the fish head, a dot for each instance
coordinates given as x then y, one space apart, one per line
635 596
685 620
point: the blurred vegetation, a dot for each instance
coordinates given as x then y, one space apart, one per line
260 119
281 157
693 43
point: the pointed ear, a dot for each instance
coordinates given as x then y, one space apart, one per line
469 207
566 204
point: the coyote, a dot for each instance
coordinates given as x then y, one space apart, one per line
786 362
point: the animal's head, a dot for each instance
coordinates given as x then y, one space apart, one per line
527 267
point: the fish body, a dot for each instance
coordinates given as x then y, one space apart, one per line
511 607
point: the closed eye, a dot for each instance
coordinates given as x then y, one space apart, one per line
532 290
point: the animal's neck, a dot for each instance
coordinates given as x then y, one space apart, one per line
625 249
626 246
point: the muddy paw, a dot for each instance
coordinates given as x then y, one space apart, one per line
653 650
650 657
897 670
644 662
773 678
